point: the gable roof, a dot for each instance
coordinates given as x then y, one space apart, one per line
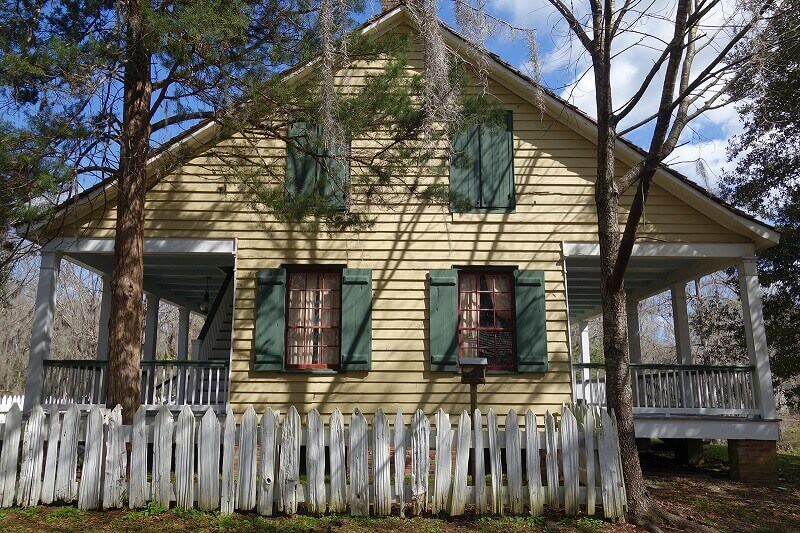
204 133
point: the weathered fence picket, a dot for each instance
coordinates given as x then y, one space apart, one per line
162 457
265 455
479 475
399 457
51 461
117 463
533 464
338 501
248 455
463 444
268 436
495 463
514 464
441 481
184 459
30 476
227 489
380 465
551 460
208 442
315 463
9 456
289 475
139 493
569 459
420 461
89 485
359 465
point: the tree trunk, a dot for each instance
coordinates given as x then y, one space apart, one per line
125 323
619 394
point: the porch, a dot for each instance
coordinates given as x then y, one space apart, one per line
684 399
194 275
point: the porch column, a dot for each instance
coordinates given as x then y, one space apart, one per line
634 345
42 331
151 327
634 336
755 336
680 318
183 353
183 334
683 342
586 358
105 315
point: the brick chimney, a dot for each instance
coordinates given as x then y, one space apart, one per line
387 5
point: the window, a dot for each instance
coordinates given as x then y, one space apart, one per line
487 312
313 318
482 166
309 169
486 317
313 306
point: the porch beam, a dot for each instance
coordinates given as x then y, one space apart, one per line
105 316
755 336
151 327
151 246
680 320
42 331
671 250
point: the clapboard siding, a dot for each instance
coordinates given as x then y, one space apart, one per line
554 182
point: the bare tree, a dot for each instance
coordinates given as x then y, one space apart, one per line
693 67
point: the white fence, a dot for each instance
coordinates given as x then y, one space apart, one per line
573 464
7 401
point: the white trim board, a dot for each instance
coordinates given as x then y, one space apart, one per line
685 250
151 246
674 427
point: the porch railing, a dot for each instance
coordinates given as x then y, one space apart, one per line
84 382
678 389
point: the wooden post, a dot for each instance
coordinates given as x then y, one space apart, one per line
683 342
151 327
755 336
149 351
634 344
586 358
105 314
42 331
473 397
183 352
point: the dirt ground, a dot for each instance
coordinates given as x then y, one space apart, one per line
703 494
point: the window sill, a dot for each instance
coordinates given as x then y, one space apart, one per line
480 215
321 371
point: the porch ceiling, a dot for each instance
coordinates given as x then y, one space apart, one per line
645 277
177 278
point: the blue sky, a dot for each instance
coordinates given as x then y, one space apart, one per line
564 71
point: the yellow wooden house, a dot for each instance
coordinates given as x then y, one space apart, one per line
381 317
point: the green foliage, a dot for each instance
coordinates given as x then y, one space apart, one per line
765 182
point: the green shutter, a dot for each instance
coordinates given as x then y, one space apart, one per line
465 166
301 167
356 319
270 319
336 176
497 166
443 323
531 321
